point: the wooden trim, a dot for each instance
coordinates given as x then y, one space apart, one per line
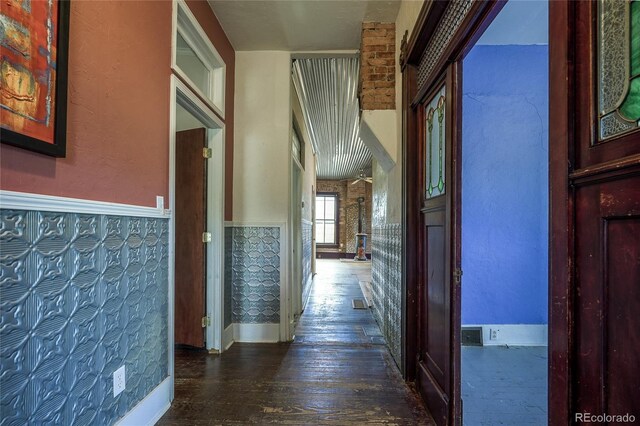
411 204
477 20
561 209
427 23
454 81
605 171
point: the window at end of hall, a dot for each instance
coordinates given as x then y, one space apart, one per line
326 219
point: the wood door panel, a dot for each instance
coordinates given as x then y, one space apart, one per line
608 297
436 399
622 306
434 353
190 217
436 348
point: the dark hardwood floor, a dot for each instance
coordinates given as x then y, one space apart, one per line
336 372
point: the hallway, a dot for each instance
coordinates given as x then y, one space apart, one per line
337 371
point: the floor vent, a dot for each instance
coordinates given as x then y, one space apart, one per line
471 336
358 304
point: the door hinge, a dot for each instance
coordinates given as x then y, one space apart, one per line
206 237
206 321
207 152
457 275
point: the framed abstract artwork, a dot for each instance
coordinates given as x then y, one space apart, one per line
34 40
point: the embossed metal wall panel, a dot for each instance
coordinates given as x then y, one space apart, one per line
256 274
386 285
228 276
307 253
80 296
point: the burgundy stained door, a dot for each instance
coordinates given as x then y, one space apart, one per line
190 219
595 210
437 288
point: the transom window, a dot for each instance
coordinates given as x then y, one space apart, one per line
327 218
195 60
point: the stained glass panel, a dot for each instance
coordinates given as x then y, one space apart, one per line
435 144
618 66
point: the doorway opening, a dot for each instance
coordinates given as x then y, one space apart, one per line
196 193
504 228
336 195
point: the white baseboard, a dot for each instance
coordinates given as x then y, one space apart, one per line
308 285
148 411
50 203
514 334
256 333
227 337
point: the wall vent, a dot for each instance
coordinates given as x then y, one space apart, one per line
471 336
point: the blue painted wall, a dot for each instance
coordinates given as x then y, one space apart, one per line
505 185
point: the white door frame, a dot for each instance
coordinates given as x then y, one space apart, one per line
181 94
295 234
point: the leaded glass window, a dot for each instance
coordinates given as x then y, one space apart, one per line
435 144
618 67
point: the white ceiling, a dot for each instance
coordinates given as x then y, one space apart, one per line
300 25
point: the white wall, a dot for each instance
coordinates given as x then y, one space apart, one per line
262 138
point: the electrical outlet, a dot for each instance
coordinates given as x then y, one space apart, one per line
119 383
494 333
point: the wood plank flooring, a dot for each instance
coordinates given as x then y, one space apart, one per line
336 372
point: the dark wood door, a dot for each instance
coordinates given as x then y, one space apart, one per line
595 210
437 291
190 219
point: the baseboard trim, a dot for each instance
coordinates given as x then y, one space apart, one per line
307 285
152 407
337 255
514 334
227 337
256 333
50 203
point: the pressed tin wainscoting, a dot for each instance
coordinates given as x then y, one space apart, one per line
307 254
255 274
80 296
386 285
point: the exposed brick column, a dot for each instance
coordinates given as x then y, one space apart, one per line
378 66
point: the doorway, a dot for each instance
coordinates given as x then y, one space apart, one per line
504 227
593 205
196 196
296 237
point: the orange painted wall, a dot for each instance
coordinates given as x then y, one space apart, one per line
118 107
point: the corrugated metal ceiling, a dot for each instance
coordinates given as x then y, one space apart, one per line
328 89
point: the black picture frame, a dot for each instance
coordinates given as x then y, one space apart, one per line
59 146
